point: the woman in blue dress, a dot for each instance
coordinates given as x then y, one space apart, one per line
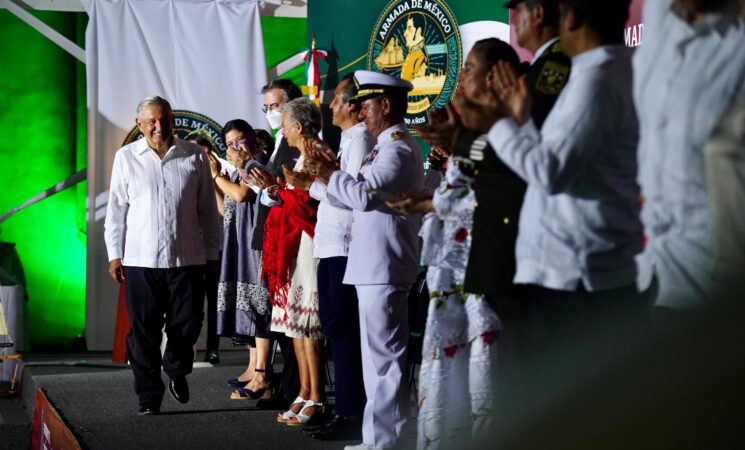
244 311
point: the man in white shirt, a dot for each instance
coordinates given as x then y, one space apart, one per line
161 226
689 71
337 302
579 226
276 94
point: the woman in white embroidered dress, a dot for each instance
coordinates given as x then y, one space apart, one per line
293 279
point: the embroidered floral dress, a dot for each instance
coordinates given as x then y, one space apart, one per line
457 386
243 308
299 317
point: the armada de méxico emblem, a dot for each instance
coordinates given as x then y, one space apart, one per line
418 41
186 122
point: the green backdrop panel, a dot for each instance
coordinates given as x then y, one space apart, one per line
39 83
44 119
344 29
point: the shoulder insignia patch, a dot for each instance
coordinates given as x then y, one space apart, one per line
477 149
395 136
556 48
552 78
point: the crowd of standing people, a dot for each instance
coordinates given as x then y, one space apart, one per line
558 195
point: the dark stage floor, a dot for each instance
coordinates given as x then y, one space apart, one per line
97 401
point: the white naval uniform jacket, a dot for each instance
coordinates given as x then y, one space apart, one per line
384 245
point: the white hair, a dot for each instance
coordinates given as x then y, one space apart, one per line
153 100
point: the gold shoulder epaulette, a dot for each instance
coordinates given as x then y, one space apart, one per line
556 48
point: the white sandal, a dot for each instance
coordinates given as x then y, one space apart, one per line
301 419
287 415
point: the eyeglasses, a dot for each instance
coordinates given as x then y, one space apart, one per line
272 107
236 144
247 143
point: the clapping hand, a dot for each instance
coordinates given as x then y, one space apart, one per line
512 92
321 161
479 115
300 180
443 127
309 143
437 157
413 203
263 179
215 165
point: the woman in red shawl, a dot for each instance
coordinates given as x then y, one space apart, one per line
290 268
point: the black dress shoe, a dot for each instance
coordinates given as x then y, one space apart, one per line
338 429
148 411
179 389
314 428
278 402
212 357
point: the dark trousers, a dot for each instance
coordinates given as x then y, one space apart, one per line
289 380
546 321
338 311
562 317
211 279
157 297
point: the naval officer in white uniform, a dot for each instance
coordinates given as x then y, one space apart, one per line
384 249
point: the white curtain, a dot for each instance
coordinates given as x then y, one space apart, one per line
204 56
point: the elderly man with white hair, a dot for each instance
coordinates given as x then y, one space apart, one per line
161 226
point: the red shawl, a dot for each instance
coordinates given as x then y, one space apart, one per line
282 230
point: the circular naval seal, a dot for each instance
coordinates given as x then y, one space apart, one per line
186 122
418 41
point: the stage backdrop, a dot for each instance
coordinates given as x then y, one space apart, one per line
205 57
635 27
424 41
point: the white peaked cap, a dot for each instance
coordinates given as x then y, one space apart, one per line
372 84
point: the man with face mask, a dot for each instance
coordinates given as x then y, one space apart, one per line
687 73
276 94
161 226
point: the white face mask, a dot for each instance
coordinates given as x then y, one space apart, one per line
274 117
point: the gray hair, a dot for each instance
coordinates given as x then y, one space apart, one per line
306 113
153 100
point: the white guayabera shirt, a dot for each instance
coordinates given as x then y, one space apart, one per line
685 77
334 224
579 223
162 213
